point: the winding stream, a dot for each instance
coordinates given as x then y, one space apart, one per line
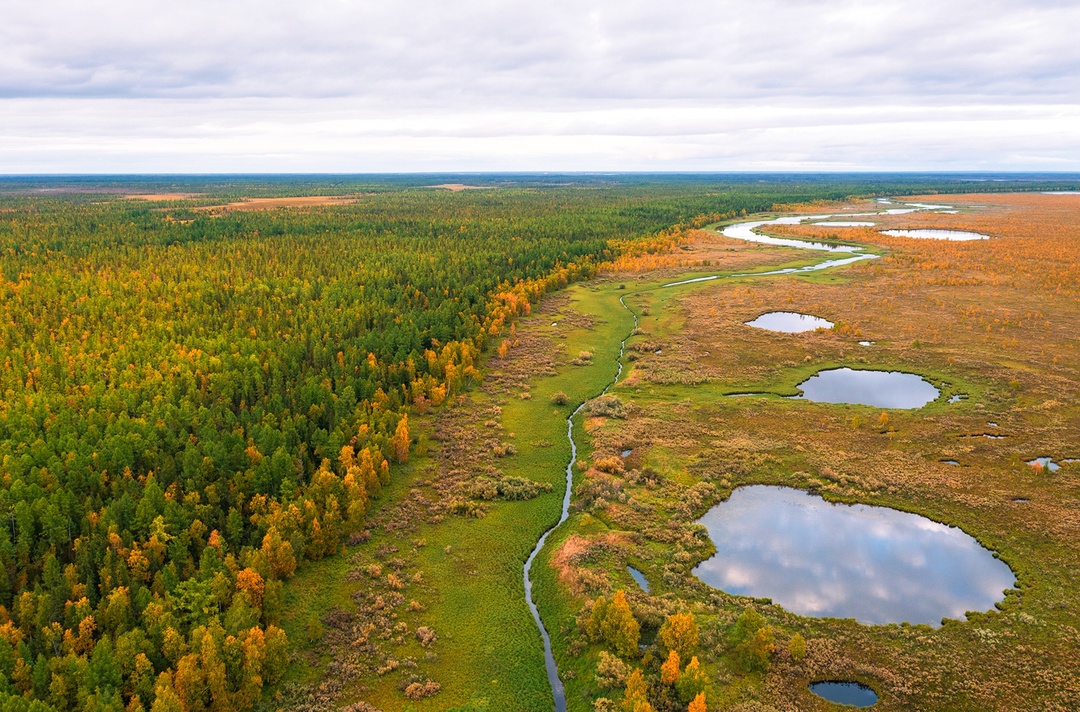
554 680
739 231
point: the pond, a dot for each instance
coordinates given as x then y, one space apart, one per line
956 235
640 578
874 564
789 322
841 692
882 389
1045 463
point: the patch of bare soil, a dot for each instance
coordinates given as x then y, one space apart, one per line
254 204
458 187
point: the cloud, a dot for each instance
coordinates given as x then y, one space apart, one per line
339 85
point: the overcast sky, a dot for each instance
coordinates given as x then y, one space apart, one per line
473 85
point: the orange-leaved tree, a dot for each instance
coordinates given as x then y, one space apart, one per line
669 671
680 633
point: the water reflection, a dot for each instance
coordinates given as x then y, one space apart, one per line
1045 463
789 322
745 231
874 564
640 578
827 264
855 694
883 389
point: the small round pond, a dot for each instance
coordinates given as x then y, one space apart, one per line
874 564
955 235
789 322
855 694
882 389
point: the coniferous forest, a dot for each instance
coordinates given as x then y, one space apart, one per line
194 402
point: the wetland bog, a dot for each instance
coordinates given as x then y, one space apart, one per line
991 323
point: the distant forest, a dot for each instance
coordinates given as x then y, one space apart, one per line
193 403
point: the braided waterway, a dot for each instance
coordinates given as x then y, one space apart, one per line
740 231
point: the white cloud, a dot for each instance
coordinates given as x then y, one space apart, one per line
474 85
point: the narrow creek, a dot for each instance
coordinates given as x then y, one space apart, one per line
554 680
740 231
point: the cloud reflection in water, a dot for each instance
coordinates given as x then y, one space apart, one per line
874 564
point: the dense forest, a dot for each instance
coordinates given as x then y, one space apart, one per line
194 403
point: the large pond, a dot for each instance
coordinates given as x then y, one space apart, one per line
955 235
874 564
883 389
789 322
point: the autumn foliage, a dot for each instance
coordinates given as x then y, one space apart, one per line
614 624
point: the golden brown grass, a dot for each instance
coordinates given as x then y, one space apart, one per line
997 321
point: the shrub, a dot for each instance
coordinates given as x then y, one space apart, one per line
426 636
606 407
507 488
611 671
418 691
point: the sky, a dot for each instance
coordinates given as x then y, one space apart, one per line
500 85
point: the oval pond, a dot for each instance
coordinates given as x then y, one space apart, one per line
789 322
883 389
874 564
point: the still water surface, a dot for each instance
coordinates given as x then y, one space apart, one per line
845 693
789 322
883 389
639 578
874 564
